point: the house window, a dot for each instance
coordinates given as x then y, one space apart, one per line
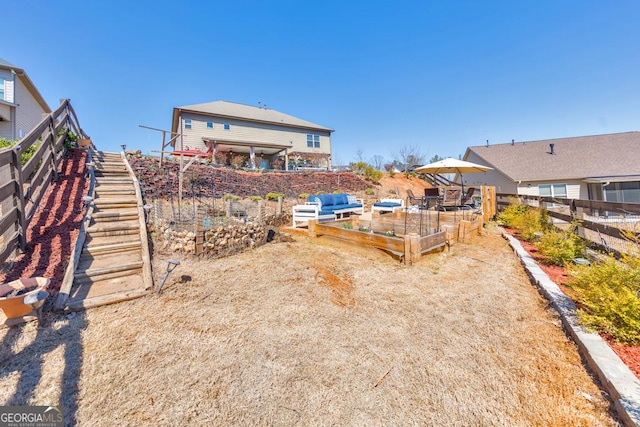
313 141
187 123
227 126
553 190
210 125
2 89
625 192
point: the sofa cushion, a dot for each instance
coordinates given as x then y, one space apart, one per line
387 204
341 199
326 199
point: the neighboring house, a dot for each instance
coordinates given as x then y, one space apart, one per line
21 105
597 167
257 136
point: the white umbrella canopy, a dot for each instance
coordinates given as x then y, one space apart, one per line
451 165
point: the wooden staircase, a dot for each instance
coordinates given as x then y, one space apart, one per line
111 262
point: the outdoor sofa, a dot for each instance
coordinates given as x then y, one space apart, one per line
388 205
326 207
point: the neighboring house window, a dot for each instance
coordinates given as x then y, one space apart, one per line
553 190
624 192
210 125
2 89
187 123
227 126
313 141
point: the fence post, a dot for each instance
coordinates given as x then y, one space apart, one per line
16 176
260 211
279 207
577 215
51 147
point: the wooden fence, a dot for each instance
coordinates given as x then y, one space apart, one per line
604 223
23 186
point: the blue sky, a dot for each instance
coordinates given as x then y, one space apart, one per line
440 76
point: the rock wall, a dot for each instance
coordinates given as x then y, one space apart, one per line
216 242
208 181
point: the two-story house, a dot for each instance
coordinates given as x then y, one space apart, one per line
21 105
260 137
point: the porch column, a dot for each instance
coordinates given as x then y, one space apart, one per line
286 159
252 158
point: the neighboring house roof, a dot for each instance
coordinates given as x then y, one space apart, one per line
22 75
232 110
594 157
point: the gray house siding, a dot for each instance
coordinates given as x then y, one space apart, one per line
493 177
29 113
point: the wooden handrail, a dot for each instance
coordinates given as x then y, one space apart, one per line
28 183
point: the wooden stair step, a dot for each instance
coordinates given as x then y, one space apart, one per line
115 215
114 226
107 291
114 200
95 272
92 241
111 248
119 192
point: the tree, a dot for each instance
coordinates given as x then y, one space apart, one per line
377 162
409 156
435 158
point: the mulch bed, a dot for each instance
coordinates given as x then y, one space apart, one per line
630 355
54 228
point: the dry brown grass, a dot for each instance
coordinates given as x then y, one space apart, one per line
315 332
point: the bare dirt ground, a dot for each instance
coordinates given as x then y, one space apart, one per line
314 332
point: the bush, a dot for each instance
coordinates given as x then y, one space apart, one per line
303 196
369 192
392 173
255 198
274 196
608 295
561 247
26 155
527 220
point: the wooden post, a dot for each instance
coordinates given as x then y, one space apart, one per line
260 211
312 227
16 175
230 207
407 249
198 230
51 142
415 247
279 207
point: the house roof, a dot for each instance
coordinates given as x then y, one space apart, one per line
22 75
583 157
233 110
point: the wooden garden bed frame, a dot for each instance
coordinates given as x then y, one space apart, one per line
408 248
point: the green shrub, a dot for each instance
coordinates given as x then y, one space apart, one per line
392 173
255 198
231 196
274 196
561 247
303 196
347 226
525 219
608 297
26 155
369 192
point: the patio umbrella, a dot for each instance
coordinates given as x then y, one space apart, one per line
451 165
